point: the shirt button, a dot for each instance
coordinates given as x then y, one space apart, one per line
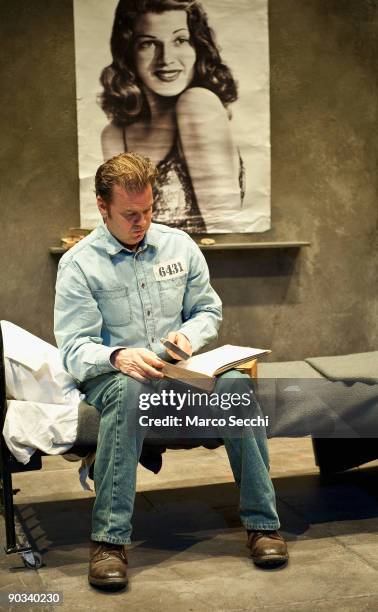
148 312
152 339
143 285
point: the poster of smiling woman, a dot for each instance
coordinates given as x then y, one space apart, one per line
187 84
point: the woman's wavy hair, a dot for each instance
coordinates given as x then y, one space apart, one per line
122 98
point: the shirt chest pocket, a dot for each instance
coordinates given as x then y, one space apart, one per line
114 305
172 294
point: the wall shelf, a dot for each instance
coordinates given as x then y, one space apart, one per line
56 250
224 246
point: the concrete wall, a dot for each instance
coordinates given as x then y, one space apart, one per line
320 300
38 157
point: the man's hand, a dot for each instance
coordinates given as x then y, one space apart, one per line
181 341
140 363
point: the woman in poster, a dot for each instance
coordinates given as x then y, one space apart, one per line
167 95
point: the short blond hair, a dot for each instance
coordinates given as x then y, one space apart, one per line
131 171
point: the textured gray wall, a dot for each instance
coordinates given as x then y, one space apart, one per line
320 300
38 157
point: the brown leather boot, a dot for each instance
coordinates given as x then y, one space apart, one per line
268 548
107 565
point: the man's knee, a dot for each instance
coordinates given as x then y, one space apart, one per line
105 390
234 381
234 374
129 392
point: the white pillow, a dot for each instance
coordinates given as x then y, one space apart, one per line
34 370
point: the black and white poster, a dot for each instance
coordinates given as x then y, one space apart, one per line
185 83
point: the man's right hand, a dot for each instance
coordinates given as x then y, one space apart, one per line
140 363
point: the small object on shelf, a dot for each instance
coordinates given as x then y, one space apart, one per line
207 241
75 234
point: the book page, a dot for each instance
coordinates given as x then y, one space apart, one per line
209 362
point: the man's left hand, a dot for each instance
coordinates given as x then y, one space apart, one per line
181 341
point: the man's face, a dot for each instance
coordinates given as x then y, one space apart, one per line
129 215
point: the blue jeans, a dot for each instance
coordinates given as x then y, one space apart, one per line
120 445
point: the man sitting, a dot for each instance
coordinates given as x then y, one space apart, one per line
113 304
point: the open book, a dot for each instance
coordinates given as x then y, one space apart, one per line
201 370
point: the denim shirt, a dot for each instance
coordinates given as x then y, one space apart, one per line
110 297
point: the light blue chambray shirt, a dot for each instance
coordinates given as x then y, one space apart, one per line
109 297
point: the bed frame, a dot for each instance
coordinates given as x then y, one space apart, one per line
331 455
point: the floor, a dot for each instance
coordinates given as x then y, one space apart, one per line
189 552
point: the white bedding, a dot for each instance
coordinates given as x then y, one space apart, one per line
34 370
50 428
42 397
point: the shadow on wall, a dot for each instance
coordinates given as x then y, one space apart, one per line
253 277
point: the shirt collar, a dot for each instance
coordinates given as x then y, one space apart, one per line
113 246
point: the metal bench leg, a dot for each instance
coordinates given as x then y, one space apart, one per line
31 559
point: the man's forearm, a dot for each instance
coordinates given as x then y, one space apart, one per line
85 358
